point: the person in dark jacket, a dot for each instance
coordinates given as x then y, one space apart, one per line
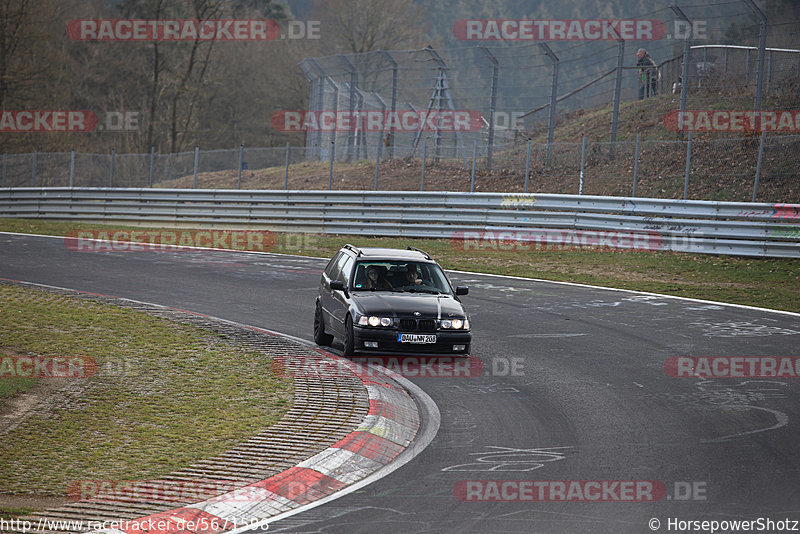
648 74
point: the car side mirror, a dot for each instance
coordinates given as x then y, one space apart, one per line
337 285
462 290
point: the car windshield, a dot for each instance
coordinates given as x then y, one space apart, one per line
404 276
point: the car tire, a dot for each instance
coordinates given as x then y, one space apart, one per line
349 341
320 337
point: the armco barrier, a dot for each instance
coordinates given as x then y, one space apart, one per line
502 220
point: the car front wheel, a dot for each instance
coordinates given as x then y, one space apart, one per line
320 337
349 341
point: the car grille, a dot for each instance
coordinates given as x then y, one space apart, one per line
418 325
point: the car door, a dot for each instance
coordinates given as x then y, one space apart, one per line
341 299
326 301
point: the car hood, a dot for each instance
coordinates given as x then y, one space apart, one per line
405 304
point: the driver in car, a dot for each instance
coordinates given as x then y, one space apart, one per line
411 277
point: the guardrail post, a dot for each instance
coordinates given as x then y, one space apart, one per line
527 165
196 159
111 171
72 168
688 166
583 164
377 164
239 171
636 164
286 170
424 159
474 155
330 166
758 165
33 169
152 163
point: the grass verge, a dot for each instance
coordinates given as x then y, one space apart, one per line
164 395
765 282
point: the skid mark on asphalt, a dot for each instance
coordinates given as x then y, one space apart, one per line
741 329
740 396
510 459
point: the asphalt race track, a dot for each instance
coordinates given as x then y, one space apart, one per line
574 388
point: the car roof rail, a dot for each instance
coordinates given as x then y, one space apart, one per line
354 249
427 256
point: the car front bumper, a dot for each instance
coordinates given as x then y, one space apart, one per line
447 342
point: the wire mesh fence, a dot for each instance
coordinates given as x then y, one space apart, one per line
731 169
514 87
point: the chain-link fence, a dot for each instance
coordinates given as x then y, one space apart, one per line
516 88
750 168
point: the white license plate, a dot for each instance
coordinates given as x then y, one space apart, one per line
416 338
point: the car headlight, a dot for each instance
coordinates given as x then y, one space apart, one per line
455 324
374 320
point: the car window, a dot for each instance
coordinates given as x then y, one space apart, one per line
398 275
332 264
336 273
347 269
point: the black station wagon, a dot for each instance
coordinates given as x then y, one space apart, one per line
390 300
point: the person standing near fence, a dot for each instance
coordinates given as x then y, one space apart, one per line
648 74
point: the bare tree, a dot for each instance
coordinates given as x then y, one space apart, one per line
367 25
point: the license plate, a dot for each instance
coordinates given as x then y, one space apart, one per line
416 338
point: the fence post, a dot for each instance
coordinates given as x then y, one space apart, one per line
553 96
687 57
688 166
762 44
353 80
424 159
4 169
111 171
474 155
636 164
527 165
239 171
617 91
72 168
583 164
152 162
492 106
196 159
33 170
394 100
377 164
330 167
286 170
758 165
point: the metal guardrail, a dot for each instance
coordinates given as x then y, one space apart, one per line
500 220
